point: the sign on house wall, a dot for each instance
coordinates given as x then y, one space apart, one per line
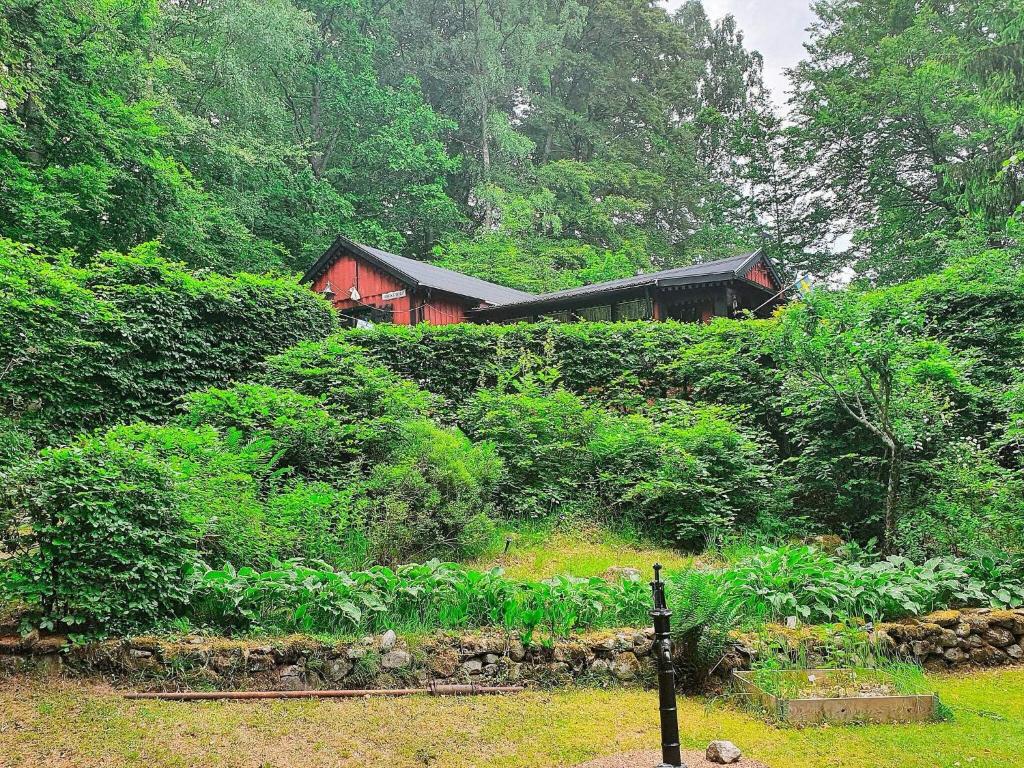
393 295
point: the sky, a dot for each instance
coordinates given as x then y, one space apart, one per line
776 28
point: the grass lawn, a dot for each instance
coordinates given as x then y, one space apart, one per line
540 553
63 724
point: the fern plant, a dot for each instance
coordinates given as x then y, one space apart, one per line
703 615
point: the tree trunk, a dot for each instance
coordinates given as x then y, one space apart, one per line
891 498
485 149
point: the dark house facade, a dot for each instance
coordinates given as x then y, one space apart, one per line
697 293
366 283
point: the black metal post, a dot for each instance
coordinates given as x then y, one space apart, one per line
670 756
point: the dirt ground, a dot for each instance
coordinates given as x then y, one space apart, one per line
53 723
652 757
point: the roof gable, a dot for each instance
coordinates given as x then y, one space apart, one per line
418 273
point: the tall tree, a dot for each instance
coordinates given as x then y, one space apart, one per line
910 117
299 123
866 356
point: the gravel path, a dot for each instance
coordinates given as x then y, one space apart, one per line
652 758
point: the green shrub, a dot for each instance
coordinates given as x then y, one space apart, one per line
98 539
542 440
15 444
432 496
687 478
293 597
352 389
310 439
703 616
800 581
594 358
972 506
245 506
127 334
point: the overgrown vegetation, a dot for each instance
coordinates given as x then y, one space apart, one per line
854 413
158 419
87 341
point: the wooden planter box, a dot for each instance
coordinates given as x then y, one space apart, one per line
852 709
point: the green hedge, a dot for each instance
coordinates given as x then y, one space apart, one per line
125 335
606 360
975 306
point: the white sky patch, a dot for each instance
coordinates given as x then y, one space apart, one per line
776 28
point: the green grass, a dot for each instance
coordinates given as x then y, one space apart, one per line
62 724
540 552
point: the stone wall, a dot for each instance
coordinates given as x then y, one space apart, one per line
949 639
302 663
943 640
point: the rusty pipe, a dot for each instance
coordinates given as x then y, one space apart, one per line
432 690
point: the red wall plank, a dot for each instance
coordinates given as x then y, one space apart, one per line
348 272
759 274
438 311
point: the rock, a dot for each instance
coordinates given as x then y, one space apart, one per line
222 662
956 655
516 651
480 644
998 636
988 656
962 630
921 648
642 643
621 573
491 658
625 666
723 752
337 669
490 670
444 662
1008 619
293 678
975 641
948 639
388 640
11 644
977 622
259 662
945 619
1014 651
395 659
473 666
601 666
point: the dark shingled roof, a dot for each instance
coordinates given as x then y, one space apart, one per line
418 273
721 269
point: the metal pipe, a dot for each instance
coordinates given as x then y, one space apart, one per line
670 754
433 690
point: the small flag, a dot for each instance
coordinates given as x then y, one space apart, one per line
803 285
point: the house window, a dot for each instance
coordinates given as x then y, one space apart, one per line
596 314
638 309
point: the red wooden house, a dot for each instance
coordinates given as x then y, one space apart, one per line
367 283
